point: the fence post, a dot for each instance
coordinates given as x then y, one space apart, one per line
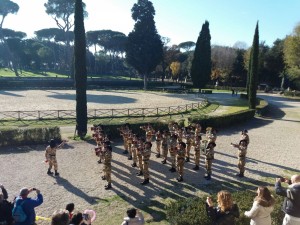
156 111
143 112
95 113
39 115
128 112
112 112
19 115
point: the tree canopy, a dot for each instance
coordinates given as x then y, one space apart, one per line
201 64
144 48
292 55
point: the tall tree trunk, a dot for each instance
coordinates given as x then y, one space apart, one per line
80 70
145 82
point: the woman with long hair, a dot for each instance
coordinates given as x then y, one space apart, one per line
226 211
262 207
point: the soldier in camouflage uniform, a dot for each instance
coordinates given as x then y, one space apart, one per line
158 138
129 143
209 157
242 152
50 155
146 157
197 144
164 145
134 147
189 140
140 149
173 150
180 159
107 153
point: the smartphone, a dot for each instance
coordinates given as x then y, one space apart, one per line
34 189
85 216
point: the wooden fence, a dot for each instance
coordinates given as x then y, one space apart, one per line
101 113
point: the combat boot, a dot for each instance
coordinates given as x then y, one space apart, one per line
180 179
146 181
125 152
208 177
240 174
99 161
140 173
49 172
108 186
164 161
157 155
196 167
172 170
56 173
130 158
133 165
187 159
103 178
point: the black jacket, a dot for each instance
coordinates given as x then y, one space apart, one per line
291 204
223 218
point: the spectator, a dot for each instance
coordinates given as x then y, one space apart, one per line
77 219
5 208
262 207
226 211
134 217
60 217
291 204
70 207
28 205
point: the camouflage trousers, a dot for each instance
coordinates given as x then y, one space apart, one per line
158 144
140 161
188 150
197 157
165 151
173 159
129 149
107 172
146 169
125 145
134 155
241 164
180 164
53 162
208 163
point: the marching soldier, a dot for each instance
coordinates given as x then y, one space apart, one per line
242 151
211 134
164 145
158 138
140 149
146 157
180 160
209 157
50 155
197 129
245 136
107 153
129 143
173 150
149 132
189 140
124 133
134 150
197 144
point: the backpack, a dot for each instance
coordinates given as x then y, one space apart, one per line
18 213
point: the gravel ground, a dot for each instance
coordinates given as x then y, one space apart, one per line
273 150
27 100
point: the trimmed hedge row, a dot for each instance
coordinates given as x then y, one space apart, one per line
192 211
26 136
224 120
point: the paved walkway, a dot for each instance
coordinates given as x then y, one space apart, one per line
273 151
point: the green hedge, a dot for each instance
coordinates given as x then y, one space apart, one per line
26 136
192 211
223 120
292 93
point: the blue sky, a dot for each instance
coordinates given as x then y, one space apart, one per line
180 20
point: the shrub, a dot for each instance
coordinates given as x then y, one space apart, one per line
192 211
292 93
26 136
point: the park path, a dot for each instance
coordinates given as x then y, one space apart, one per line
273 151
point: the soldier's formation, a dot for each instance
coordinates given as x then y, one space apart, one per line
176 142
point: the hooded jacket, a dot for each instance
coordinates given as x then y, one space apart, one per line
260 215
291 203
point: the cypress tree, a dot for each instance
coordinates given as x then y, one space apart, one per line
201 64
80 72
253 70
144 50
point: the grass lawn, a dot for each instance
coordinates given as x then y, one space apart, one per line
6 72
